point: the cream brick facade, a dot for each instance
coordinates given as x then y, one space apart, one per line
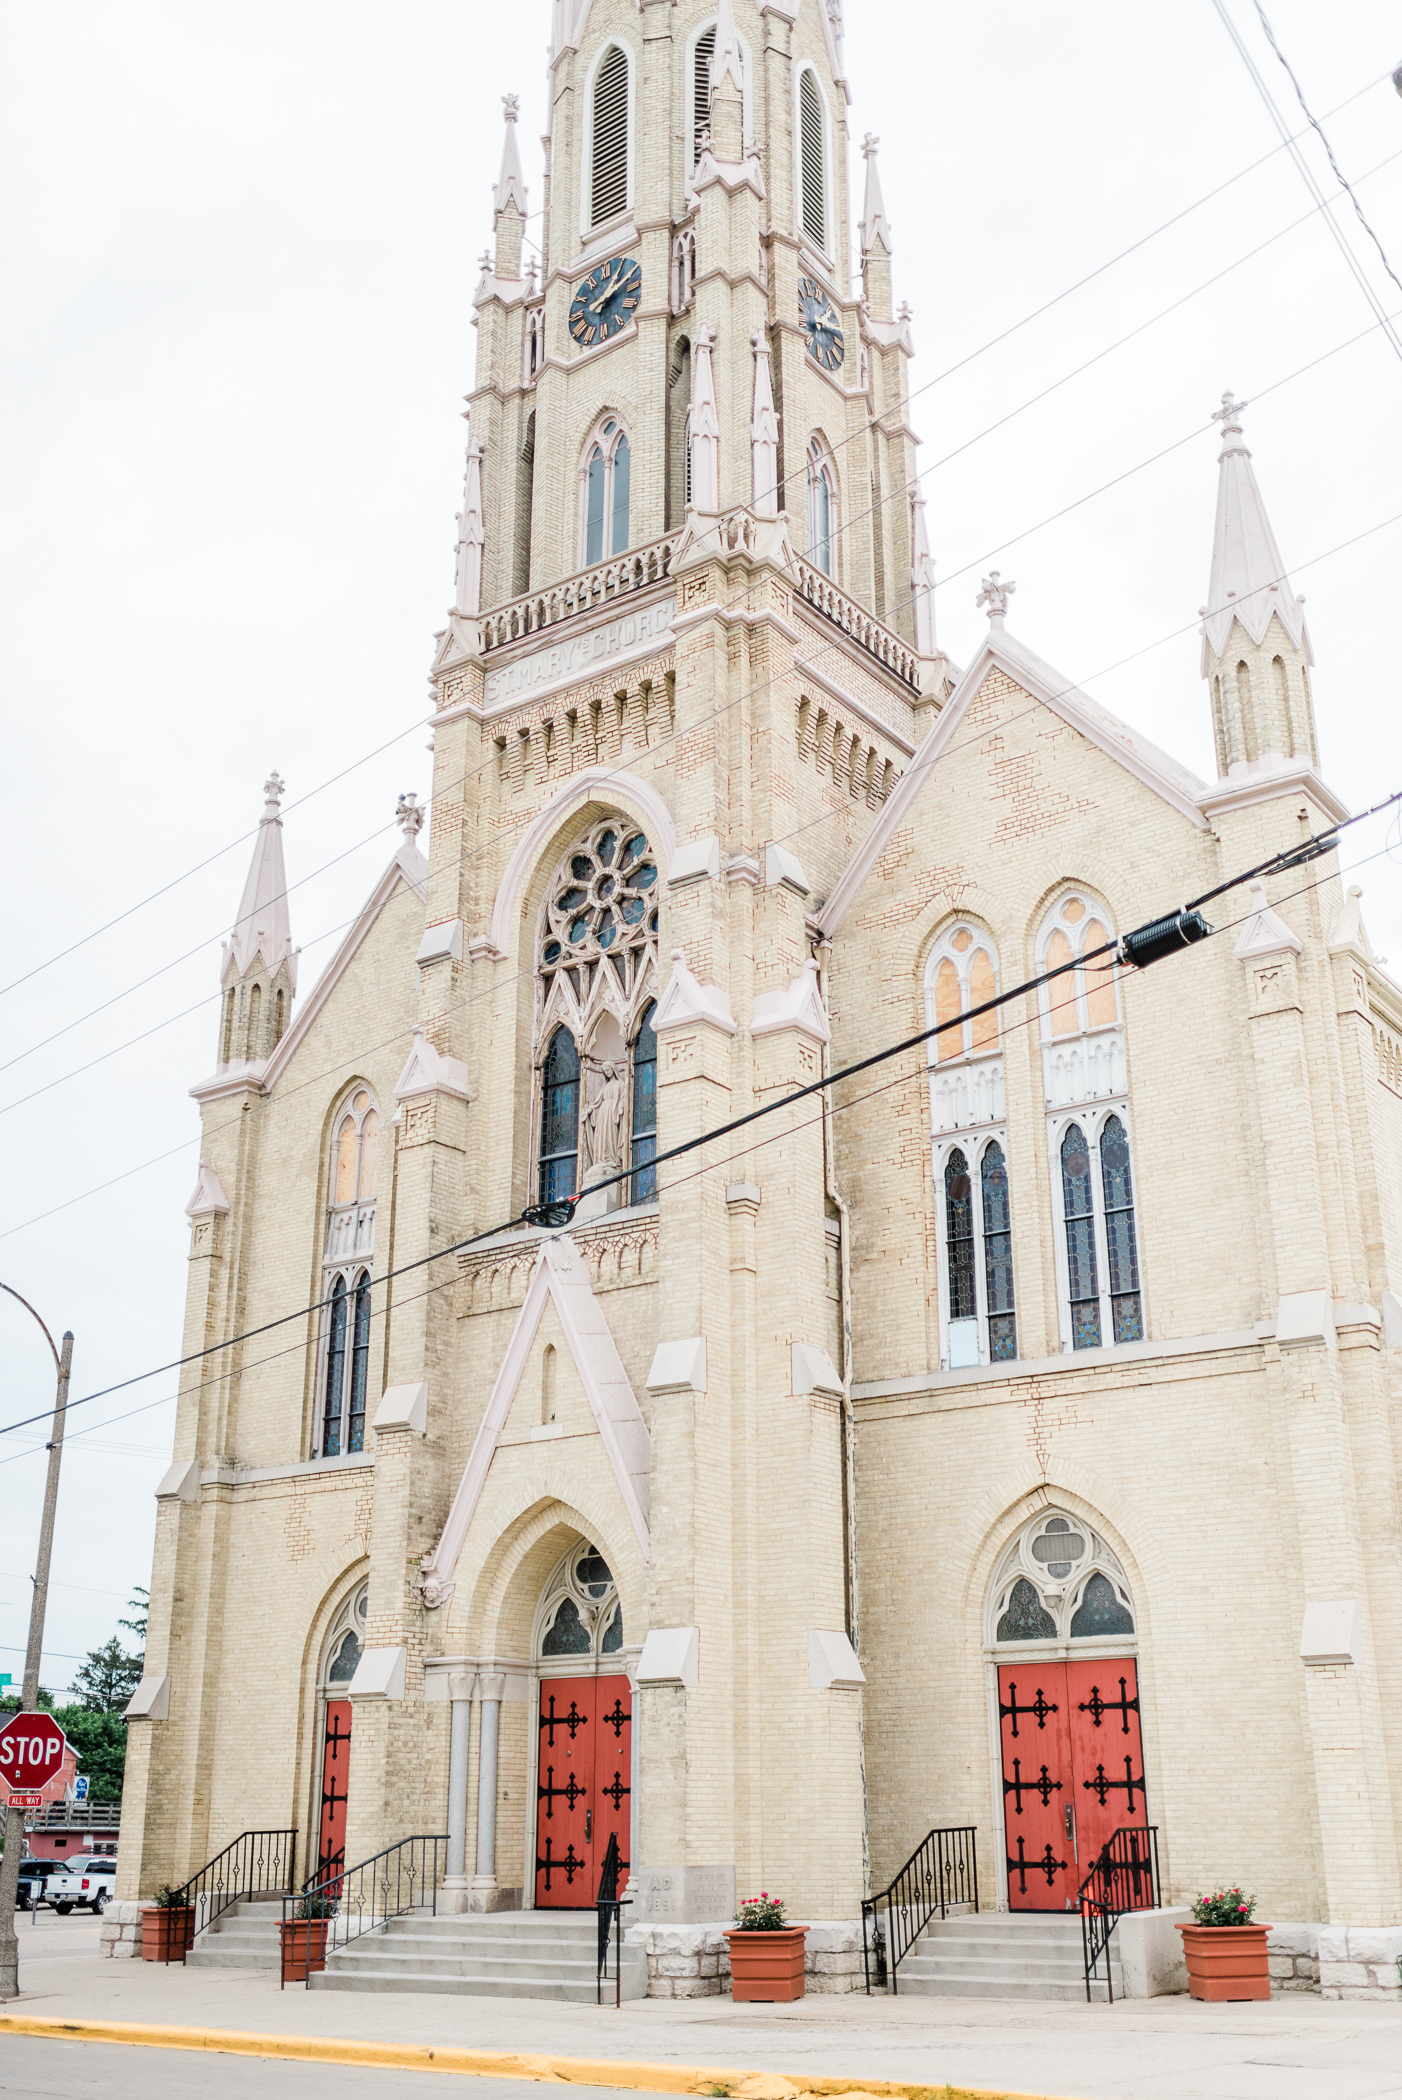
826 799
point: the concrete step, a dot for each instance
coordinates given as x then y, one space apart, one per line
504 1954
245 1936
1010 1954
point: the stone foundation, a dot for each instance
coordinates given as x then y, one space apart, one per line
121 1930
693 1961
1360 1961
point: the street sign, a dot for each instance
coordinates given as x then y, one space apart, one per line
32 1750
26 1801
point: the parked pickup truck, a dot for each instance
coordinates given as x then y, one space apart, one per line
89 1884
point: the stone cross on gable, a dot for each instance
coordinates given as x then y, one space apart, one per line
274 788
410 818
512 105
869 145
995 595
1229 414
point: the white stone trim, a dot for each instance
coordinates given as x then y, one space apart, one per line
403 1407
379 1674
150 1701
671 1656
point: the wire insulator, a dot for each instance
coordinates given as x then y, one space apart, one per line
1163 937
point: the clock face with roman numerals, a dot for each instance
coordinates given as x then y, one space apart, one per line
607 299
821 331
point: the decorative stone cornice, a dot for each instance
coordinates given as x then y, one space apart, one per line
427 1071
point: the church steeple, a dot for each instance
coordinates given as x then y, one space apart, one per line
1255 644
259 973
509 197
876 237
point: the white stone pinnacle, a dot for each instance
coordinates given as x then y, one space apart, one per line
1248 580
263 927
875 225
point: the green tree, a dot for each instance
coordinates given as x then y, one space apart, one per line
100 1741
140 1605
107 1679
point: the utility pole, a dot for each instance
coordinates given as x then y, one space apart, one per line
29 1696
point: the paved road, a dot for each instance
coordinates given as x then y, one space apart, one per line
50 2070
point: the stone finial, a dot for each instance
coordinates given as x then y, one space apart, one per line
274 788
409 817
512 105
995 595
1229 416
869 145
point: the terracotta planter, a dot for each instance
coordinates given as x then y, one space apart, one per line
303 1948
767 1967
1226 1961
166 1934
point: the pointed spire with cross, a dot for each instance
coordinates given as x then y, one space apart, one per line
875 226
1229 416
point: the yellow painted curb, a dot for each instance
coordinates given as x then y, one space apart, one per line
489 2063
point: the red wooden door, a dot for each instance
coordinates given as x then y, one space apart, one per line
1038 1785
583 1786
335 1772
1107 1752
613 1770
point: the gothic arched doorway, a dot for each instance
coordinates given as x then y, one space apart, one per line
584 1754
1071 1754
339 1658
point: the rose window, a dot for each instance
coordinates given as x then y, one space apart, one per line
604 902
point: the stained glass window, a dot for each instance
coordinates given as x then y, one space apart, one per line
1076 1187
593 1574
959 1235
645 1112
360 1365
568 1635
613 1639
347 1658
1125 1309
335 1370
1024 1617
1059 1548
559 1118
1100 1611
998 1256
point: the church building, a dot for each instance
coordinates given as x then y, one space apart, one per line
1003 1443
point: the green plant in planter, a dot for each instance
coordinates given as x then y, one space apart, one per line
317 1903
167 1898
762 1913
1224 1907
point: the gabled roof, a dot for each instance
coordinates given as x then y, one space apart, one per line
560 1277
1002 651
408 867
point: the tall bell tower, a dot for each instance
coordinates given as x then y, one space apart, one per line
694 323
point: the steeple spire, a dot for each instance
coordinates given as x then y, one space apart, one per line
1255 644
705 426
875 229
727 97
263 927
259 973
509 197
467 595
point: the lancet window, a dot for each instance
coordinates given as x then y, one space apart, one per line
978 1316
822 508
1086 1087
347 1268
1058 1581
580 1615
596 985
609 157
604 492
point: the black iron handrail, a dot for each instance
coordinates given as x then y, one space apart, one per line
257 1863
344 1903
941 1873
1125 1877
610 1908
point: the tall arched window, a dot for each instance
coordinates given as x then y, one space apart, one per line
605 475
812 160
822 508
645 1111
1085 1081
559 1118
347 1268
596 984
610 137
978 1323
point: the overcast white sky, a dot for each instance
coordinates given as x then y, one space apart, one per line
238 255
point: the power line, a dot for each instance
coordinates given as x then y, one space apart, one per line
1145 945
1307 175
1319 128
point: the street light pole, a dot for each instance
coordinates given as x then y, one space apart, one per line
29 1696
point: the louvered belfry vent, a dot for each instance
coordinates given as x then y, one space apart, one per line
810 149
609 185
701 87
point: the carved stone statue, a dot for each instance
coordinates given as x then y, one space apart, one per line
603 1123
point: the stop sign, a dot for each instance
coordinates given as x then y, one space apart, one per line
32 1750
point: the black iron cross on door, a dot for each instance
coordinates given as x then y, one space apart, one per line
1039 1707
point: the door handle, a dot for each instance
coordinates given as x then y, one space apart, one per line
1070 1814
589 1825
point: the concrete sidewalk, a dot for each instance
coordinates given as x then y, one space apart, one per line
1296 2047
